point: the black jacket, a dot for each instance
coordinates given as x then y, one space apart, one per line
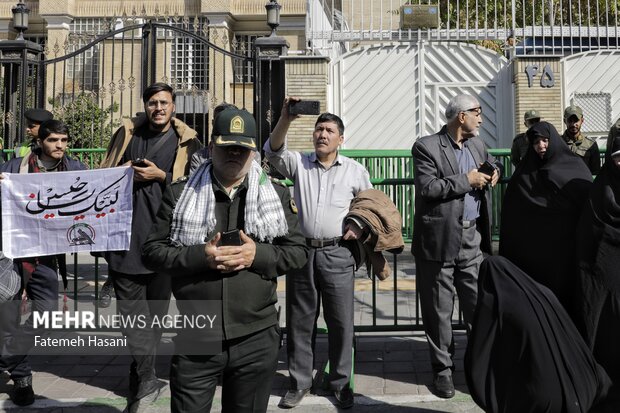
248 297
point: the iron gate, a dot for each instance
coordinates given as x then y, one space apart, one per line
96 77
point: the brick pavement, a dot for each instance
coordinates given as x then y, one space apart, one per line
389 371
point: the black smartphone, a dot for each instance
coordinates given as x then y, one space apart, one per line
139 163
487 168
231 237
304 107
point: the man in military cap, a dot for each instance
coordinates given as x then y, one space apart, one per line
519 143
34 119
580 144
225 234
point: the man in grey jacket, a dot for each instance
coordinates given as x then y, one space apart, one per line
451 227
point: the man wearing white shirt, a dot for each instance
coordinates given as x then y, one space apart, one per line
325 182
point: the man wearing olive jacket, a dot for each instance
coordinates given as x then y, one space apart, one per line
228 192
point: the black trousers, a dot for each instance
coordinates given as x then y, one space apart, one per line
246 365
42 289
148 295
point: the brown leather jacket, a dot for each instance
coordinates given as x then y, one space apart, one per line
384 228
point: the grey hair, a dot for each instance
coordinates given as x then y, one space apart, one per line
460 103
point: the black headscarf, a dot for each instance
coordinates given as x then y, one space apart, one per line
597 292
605 199
524 355
542 204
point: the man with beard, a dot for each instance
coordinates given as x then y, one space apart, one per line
585 147
325 183
159 148
225 235
452 227
39 274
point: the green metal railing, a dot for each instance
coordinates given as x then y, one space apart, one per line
390 171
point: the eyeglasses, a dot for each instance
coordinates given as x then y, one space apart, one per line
477 111
155 103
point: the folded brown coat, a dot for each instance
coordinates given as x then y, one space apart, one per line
384 224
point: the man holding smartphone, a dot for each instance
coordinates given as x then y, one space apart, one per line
226 234
452 227
159 148
325 183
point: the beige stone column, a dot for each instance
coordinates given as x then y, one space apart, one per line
538 85
5 29
306 77
57 42
220 65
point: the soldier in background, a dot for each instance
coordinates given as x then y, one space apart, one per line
578 143
519 143
34 118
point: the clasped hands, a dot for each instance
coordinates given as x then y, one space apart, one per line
230 258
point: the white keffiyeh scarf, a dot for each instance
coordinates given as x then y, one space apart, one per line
193 219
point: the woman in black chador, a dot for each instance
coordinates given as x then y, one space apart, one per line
541 208
597 298
524 354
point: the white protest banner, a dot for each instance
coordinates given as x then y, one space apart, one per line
60 212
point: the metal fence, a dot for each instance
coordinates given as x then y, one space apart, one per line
390 305
512 27
95 77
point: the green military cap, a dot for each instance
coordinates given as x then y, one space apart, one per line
573 110
531 114
235 127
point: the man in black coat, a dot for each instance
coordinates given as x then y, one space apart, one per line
224 235
451 227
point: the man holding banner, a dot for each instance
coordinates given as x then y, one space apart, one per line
39 274
159 148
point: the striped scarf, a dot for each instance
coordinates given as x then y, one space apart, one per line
193 219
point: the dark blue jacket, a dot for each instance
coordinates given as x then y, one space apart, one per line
13 165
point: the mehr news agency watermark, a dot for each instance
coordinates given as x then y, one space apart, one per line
51 331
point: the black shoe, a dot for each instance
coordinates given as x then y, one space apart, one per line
105 295
148 394
23 395
292 398
444 387
344 397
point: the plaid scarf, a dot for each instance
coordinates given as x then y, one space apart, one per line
193 219
33 163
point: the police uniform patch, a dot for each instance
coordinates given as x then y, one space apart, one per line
237 125
293 206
